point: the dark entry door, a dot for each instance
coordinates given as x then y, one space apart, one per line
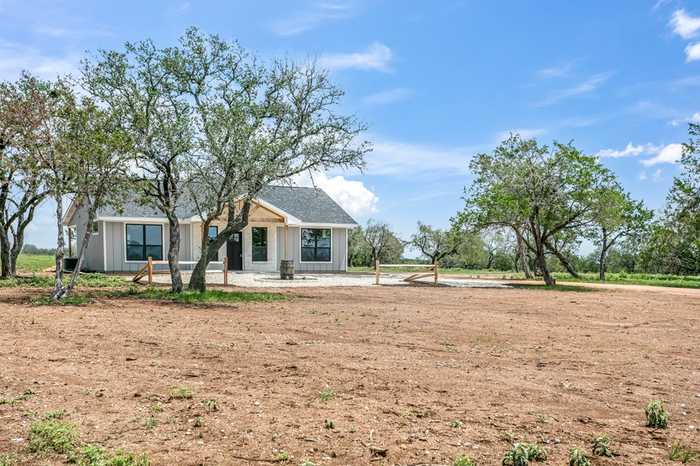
234 251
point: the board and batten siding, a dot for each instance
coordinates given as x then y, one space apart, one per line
339 251
93 261
115 253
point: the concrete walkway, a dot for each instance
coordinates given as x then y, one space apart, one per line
272 280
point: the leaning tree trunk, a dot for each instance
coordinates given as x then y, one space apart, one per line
68 289
522 256
5 252
565 262
60 248
542 263
176 285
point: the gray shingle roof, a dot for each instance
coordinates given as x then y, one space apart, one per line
309 205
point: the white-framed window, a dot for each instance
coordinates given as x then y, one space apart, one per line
316 245
144 241
259 240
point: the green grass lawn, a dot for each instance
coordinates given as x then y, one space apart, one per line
447 271
31 263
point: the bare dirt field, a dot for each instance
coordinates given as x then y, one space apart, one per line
425 373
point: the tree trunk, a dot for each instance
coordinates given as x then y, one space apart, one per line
60 247
565 262
542 263
603 253
92 210
521 254
176 285
6 266
198 279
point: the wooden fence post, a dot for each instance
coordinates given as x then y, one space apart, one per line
435 269
150 270
225 270
376 272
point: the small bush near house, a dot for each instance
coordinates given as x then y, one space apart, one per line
682 453
52 436
657 416
578 458
601 446
464 460
522 453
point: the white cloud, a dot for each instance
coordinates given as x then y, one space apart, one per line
694 118
525 133
312 17
353 196
586 87
684 25
670 153
15 58
394 158
388 97
377 57
631 150
692 52
557 71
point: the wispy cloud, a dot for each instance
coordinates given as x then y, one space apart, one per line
15 58
377 57
684 25
692 52
389 96
312 17
694 118
70 32
585 87
557 71
631 150
403 159
671 153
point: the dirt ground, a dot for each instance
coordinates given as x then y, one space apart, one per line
555 367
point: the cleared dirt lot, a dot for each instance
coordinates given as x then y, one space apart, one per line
554 367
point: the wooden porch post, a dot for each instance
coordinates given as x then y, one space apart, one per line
225 270
284 249
150 270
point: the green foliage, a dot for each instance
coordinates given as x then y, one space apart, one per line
55 414
8 459
181 393
28 393
326 394
601 446
150 422
375 235
210 405
198 421
282 457
52 436
95 455
456 424
32 263
434 243
197 297
70 300
656 413
577 457
682 453
521 454
86 280
463 460
329 424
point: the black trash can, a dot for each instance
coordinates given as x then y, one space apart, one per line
69 263
287 269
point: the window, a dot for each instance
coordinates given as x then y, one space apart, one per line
213 232
94 229
144 241
315 244
72 241
259 244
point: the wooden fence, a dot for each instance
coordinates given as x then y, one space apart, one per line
432 272
148 271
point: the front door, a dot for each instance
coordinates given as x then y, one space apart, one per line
234 251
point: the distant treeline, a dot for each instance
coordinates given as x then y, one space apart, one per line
32 250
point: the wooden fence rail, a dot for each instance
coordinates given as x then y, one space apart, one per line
433 272
147 270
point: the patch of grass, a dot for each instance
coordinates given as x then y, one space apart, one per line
195 297
7 459
652 279
656 413
55 414
198 421
456 424
578 458
52 436
181 393
601 446
463 460
326 394
563 288
28 393
87 280
150 422
522 453
282 457
210 405
682 453
329 424
95 455
34 262
156 408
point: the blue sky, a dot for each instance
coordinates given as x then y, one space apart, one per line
435 81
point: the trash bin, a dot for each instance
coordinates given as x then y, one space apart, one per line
287 269
69 263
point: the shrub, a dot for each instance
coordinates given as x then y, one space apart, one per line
326 394
282 457
150 422
522 453
601 446
95 455
463 460
210 405
682 453
329 424
578 458
657 416
198 421
7 459
52 436
55 414
456 424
